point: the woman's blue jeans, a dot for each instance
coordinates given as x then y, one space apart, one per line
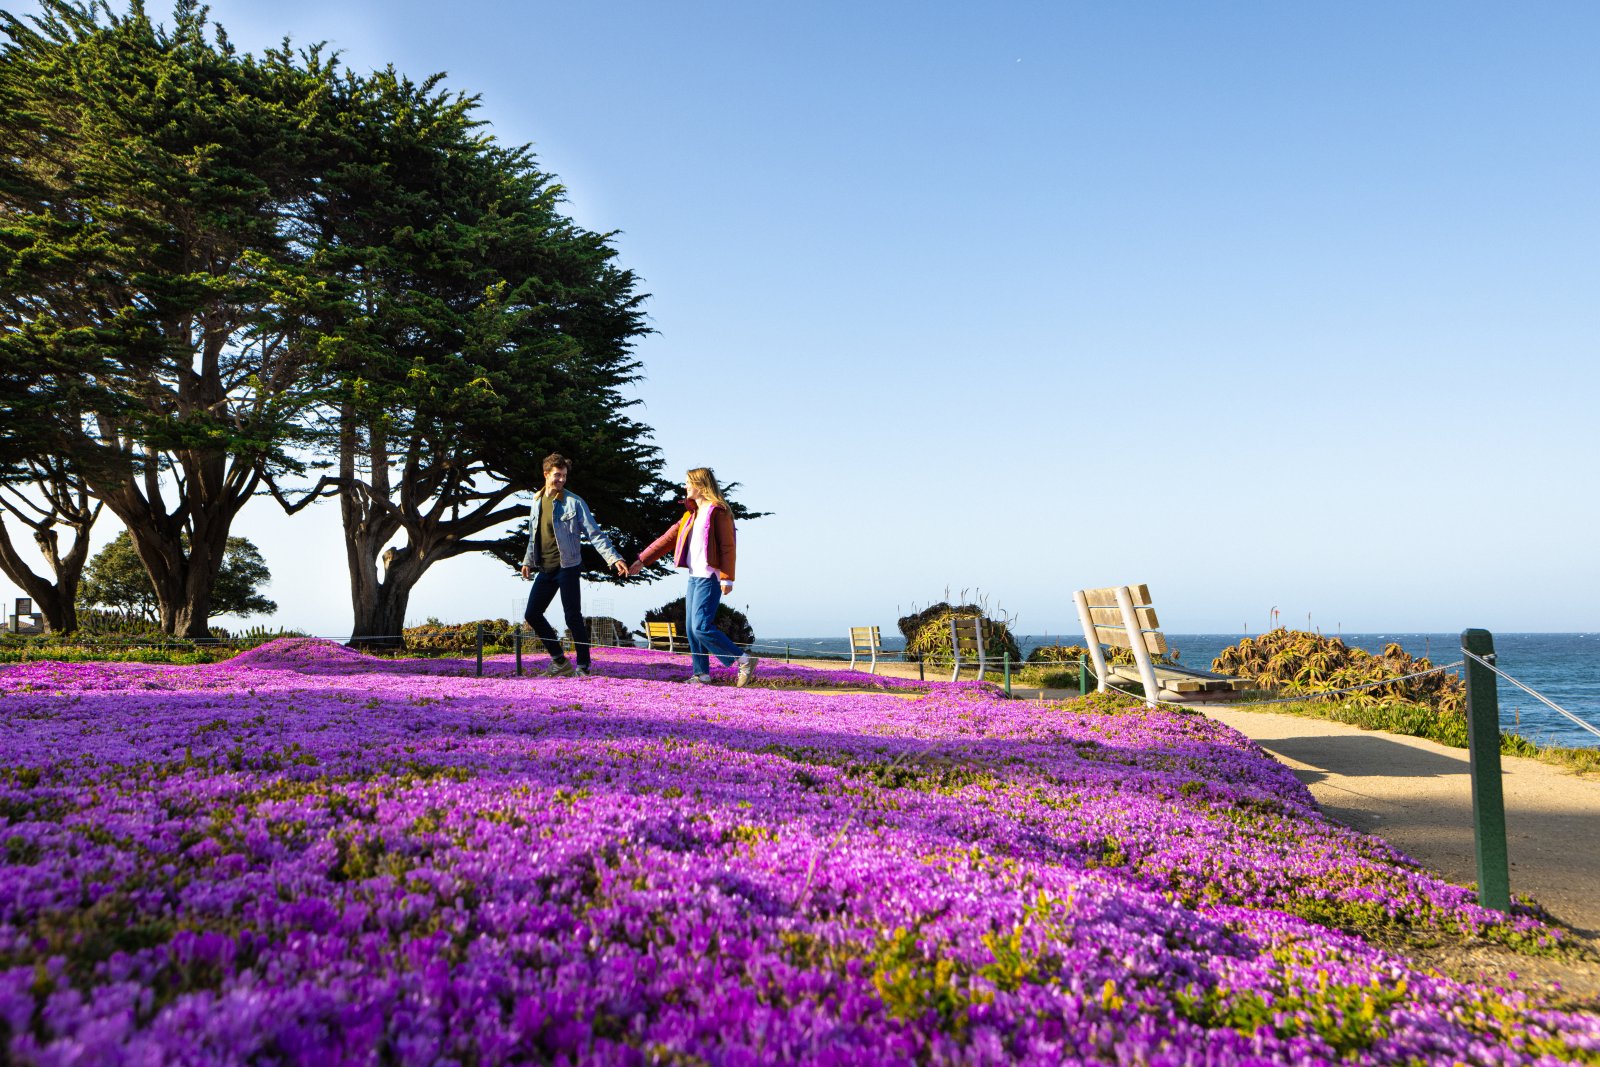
705 640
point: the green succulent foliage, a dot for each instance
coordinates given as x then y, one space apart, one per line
1057 654
928 634
457 638
1297 661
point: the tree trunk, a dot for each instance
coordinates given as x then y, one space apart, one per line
56 601
380 616
379 603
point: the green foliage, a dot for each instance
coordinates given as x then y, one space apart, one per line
96 622
468 328
928 634
459 638
154 185
730 621
1057 654
240 268
1295 661
117 583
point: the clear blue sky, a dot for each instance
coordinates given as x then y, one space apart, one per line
1265 304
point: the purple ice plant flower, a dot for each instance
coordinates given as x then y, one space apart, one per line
305 854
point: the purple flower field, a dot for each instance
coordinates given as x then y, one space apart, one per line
306 855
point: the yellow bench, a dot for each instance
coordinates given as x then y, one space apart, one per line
662 635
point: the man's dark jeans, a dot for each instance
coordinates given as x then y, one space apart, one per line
545 586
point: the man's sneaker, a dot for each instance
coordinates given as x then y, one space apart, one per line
747 670
562 669
699 679
580 672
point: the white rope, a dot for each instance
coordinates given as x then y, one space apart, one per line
1193 705
1537 696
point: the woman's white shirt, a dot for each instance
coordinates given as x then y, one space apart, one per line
700 544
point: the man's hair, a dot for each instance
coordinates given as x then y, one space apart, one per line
556 459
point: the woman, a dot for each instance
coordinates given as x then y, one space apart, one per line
703 542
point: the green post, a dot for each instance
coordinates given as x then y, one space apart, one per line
1083 675
786 652
516 644
1006 659
1488 797
478 640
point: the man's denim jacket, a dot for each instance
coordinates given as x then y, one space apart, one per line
574 523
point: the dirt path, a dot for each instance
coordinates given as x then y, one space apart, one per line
1417 795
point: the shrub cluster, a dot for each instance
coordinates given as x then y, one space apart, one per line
139 646
1296 661
458 638
927 633
730 621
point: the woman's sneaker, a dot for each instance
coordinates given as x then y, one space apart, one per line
561 670
747 670
699 679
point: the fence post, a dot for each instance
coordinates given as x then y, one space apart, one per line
516 643
1488 796
1083 674
1007 660
478 641
920 678
786 652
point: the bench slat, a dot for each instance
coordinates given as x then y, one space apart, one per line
1117 637
1112 616
1107 598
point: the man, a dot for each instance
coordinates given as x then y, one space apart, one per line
558 524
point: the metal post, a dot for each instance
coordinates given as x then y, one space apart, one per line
1488 797
786 652
920 678
1083 674
478 634
1007 659
516 643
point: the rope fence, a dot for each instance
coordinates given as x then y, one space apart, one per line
1485 661
1303 697
517 637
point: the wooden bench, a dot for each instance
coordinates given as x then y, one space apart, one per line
1122 617
662 635
966 635
864 642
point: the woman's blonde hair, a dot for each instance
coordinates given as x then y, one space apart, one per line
704 480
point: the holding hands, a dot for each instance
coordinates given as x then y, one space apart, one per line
621 568
638 565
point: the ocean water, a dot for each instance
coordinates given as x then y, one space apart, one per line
1565 668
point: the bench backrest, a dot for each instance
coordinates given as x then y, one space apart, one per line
1110 628
864 639
1121 616
662 635
864 642
966 642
